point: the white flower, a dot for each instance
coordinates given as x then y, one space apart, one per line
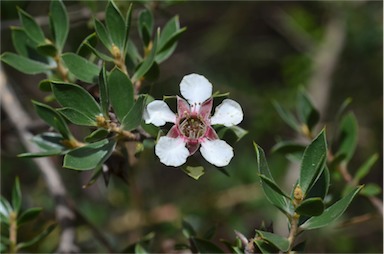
193 124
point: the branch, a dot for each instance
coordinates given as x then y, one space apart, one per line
20 120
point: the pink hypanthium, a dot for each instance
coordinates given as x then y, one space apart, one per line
193 124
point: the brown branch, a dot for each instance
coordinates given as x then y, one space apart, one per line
20 120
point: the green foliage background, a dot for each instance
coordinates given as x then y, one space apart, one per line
239 48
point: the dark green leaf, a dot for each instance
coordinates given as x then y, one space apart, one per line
115 25
236 130
279 242
53 118
59 23
89 156
76 117
265 247
321 186
41 154
365 168
188 230
103 35
133 55
287 117
145 26
371 189
103 92
273 185
147 63
165 54
313 162
42 235
31 28
21 42
331 213
311 207
127 27
194 172
96 173
81 68
204 246
45 85
97 135
24 64
121 94
306 111
153 73
133 119
75 97
16 196
273 197
84 49
170 34
49 141
29 215
348 136
98 53
47 49
288 147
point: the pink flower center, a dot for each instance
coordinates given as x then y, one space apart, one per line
192 127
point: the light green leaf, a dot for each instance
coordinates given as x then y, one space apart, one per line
272 196
279 242
194 172
311 207
103 35
371 189
24 64
59 23
29 215
147 63
32 29
287 117
133 119
365 168
16 196
89 156
306 111
139 249
115 25
81 68
121 94
75 97
41 236
313 162
273 185
204 246
347 136
332 213
76 117
21 42
53 118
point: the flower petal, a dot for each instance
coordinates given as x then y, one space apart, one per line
228 113
158 113
196 89
216 152
171 151
183 108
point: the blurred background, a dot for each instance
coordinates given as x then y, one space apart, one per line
259 52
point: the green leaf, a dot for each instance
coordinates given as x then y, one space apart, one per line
29 215
311 207
321 186
59 23
288 147
147 63
98 53
133 119
347 136
31 28
45 85
24 64
279 242
121 94
133 55
40 154
76 117
272 196
96 173
103 35
371 189
41 236
53 118
16 196
139 249
194 172
313 162
145 26
188 230
204 246
84 49
77 98
49 141
365 168
331 213
265 247
127 27
165 54
273 185
170 34
89 156
21 42
238 131
47 49
306 111
115 25
97 135
81 68
5 207
287 117
103 92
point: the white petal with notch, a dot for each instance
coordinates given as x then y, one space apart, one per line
158 113
228 113
216 152
171 151
195 88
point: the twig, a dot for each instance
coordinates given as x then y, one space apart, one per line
63 209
